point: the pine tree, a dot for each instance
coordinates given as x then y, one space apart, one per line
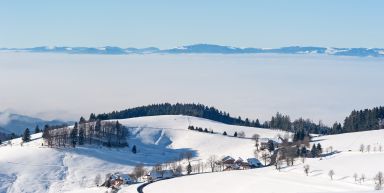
92 117
81 136
73 135
82 120
303 152
26 135
225 133
314 151
271 146
257 123
319 149
235 135
189 168
37 129
134 149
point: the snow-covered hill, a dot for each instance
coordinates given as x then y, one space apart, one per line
15 123
348 162
33 168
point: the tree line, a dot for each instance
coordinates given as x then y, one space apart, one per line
362 120
196 110
107 133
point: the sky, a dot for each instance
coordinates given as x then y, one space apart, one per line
172 23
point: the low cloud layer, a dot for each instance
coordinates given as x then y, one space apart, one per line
66 86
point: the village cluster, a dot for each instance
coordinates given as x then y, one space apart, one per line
171 170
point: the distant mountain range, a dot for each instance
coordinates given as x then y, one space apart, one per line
15 123
206 49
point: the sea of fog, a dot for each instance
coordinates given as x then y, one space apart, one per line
66 86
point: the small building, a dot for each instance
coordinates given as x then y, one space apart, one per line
264 143
116 180
155 175
254 163
228 160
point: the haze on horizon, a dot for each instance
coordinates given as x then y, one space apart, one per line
68 86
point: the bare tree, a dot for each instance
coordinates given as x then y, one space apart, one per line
302 159
362 147
256 138
241 134
256 153
380 148
265 156
98 179
306 169
362 178
368 148
379 179
355 176
138 171
279 159
212 162
331 173
179 170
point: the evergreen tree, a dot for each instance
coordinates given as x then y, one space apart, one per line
73 135
81 136
225 133
92 117
189 168
319 149
303 151
82 120
46 132
235 135
26 135
257 123
37 129
314 151
271 146
134 149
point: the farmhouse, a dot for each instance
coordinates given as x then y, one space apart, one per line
163 174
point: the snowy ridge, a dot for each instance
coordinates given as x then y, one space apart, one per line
205 49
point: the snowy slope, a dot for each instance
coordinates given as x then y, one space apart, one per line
292 179
33 168
352 141
265 180
171 130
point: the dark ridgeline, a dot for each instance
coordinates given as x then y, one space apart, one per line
363 120
196 110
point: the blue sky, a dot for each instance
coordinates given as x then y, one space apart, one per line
171 23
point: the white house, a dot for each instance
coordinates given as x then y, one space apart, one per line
154 175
